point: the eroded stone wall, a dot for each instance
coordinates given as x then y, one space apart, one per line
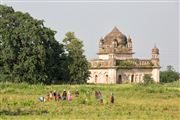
105 76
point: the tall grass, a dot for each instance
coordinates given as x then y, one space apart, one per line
132 101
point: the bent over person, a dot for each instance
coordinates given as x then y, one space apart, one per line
64 95
112 98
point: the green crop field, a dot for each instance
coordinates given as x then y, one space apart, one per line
132 101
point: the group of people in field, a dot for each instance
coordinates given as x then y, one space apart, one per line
55 95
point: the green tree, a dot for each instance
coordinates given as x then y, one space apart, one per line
169 75
28 50
77 64
148 79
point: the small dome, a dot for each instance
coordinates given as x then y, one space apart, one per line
155 50
101 40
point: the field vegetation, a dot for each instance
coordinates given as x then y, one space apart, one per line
132 101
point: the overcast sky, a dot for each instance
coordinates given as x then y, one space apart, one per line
148 23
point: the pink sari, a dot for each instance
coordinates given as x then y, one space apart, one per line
69 97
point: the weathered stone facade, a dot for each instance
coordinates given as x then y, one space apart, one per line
116 63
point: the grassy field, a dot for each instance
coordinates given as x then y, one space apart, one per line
132 101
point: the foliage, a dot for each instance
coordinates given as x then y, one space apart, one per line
28 50
148 79
170 68
77 64
132 101
169 75
98 65
151 64
125 63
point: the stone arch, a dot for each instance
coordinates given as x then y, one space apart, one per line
107 78
96 78
132 78
119 79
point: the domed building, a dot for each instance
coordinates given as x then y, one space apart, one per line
116 63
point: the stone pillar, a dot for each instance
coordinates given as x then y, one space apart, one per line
155 75
112 76
140 78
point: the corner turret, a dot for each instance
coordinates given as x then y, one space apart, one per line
155 56
129 42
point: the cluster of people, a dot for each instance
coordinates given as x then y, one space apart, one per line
99 97
55 95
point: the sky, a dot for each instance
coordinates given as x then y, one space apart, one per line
148 22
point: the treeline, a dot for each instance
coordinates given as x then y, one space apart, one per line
169 75
30 53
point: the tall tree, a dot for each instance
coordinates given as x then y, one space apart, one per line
28 49
170 68
169 75
77 64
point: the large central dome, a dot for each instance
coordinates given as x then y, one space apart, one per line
115 35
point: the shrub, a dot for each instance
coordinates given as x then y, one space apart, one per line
148 79
125 63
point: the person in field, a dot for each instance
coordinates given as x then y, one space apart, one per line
41 99
51 95
100 98
58 96
54 94
64 95
99 95
96 94
46 97
77 93
69 96
112 98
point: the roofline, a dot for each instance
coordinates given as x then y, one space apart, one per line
117 67
115 53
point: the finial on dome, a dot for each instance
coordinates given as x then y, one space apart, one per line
155 45
115 29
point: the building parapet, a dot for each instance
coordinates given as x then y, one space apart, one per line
101 63
131 63
128 63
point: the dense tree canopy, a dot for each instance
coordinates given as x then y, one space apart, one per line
77 64
169 75
28 49
30 53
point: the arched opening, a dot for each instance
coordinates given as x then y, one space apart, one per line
114 43
106 78
132 78
96 77
119 79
